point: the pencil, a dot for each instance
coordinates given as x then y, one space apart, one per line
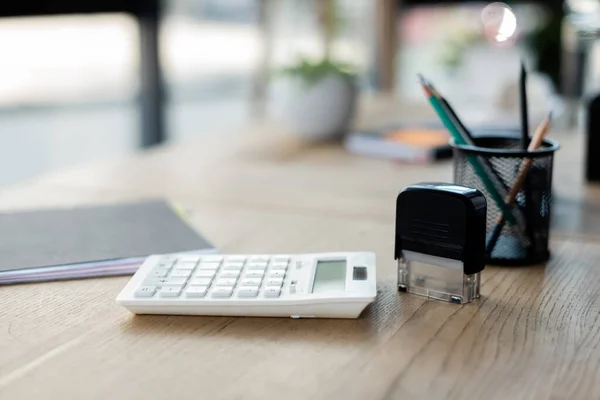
465 133
491 171
536 142
479 169
490 177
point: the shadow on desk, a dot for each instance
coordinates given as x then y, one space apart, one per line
394 316
377 317
249 328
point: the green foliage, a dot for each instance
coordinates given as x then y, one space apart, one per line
313 71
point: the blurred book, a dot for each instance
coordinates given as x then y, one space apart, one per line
418 144
93 241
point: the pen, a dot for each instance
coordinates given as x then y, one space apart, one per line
524 144
524 117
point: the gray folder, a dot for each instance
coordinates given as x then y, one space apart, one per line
45 238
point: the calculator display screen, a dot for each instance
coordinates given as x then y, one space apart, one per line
330 276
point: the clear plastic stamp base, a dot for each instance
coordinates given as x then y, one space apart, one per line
436 277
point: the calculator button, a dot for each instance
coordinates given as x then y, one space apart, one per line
226 282
257 266
233 266
154 281
145 291
258 259
212 259
274 282
236 259
222 292
158 274
276 274
284 259
250 282
185 265
188 259
196 291
230 274
179 273
272 292
200 282
174 282
258 262
209 266
165 264
157 268
279 266
160 271
254 274
233 263
205 274
171 291
247 292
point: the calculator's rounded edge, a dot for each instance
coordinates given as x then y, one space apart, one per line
373 260
125 297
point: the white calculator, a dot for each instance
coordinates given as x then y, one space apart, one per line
322 285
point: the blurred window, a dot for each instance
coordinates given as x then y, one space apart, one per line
66 90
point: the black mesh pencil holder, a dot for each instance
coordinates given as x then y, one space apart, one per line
517 233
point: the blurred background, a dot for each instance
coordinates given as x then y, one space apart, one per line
94 81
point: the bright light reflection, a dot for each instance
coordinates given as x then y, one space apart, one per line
499 22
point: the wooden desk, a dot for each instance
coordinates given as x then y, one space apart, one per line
533 335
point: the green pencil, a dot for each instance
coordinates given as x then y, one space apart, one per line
497 197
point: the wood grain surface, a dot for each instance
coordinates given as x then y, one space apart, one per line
534 334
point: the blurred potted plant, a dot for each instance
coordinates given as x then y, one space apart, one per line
321 94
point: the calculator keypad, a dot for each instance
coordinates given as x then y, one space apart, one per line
216 277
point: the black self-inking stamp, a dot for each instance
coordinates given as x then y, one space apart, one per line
440 241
